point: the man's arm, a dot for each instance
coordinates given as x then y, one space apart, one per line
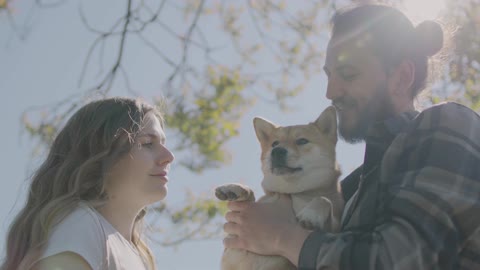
393 245
265 228
431 187
434 180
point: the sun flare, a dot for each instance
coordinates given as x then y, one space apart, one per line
424 9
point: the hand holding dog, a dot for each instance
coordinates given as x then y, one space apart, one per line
265 228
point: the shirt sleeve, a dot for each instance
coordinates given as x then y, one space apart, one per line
431 201
80 233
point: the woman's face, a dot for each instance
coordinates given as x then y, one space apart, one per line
140 177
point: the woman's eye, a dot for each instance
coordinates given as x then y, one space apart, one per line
302 141
275 143
147 144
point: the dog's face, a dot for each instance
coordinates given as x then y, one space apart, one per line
298 158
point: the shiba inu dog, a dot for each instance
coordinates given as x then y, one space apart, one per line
296 160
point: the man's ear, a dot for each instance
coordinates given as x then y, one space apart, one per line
401 78
263 129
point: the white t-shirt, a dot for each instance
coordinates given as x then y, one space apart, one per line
88 234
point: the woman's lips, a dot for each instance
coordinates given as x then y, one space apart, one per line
161 176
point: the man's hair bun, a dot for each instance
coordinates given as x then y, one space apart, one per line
429 38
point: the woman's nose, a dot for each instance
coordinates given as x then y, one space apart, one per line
165 156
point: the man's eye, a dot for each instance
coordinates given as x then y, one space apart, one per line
275 143
349 77
302 141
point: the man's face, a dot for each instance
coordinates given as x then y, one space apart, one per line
357 87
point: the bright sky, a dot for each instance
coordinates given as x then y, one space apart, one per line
419 10
45 67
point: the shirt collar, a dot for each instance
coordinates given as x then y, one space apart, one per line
398 123
391 126
380 136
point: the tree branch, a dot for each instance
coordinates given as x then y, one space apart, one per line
186 43
40 3
109 78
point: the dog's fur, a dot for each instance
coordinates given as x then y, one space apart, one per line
299 161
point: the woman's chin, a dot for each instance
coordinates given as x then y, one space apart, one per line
157 195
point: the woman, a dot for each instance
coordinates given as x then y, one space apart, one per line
86 202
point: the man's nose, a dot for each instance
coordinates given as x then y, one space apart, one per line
334 90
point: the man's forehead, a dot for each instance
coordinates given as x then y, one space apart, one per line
348 50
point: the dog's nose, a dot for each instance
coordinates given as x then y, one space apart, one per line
279 155
279 152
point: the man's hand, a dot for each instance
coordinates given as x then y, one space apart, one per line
265 228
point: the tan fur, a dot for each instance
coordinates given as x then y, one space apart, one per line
304 169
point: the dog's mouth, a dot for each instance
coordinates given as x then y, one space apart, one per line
282 170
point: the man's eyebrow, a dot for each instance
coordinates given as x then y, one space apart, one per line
345 67
340 68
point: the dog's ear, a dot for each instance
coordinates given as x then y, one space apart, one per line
327 123
263 129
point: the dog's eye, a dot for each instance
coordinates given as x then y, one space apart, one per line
302 141
275 143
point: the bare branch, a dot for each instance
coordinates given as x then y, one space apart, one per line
154 17
83 18
156 50
186 43
87 58
262 34
52 4
127 81
182 38
107 82
101 38
124 35
297 25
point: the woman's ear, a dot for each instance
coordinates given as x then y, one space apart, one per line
402 78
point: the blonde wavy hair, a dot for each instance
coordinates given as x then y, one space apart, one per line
91 142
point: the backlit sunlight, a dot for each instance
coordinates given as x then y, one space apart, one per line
420 10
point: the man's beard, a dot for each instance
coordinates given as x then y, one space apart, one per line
378 108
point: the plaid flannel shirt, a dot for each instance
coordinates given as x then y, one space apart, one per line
415 201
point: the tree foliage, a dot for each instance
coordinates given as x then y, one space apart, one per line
196 220
213 120
207 93
461 82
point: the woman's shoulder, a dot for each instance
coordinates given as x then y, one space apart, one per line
80 232
82 225
79 223
64 260
82 215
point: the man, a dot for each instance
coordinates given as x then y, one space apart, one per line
414 202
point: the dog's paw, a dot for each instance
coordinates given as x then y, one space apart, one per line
308 224
316 215
234 192
310 219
